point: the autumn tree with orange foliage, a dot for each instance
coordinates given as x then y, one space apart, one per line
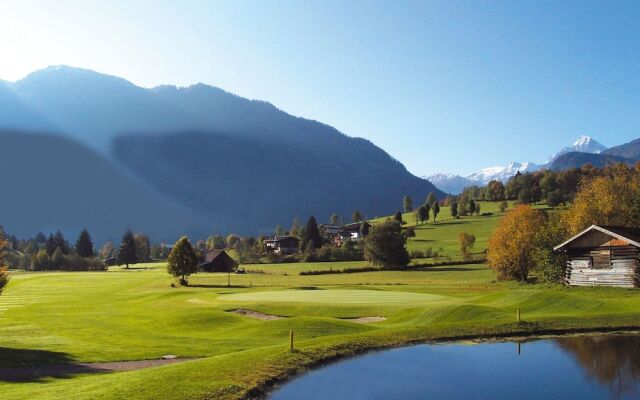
513 245
612 198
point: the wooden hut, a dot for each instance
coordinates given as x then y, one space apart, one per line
217 261
603 256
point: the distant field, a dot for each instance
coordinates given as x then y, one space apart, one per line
51 318
442 236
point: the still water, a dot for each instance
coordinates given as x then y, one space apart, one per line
583 367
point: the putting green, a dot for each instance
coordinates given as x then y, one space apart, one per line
334 296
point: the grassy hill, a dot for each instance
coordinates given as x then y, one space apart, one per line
51 318
442 236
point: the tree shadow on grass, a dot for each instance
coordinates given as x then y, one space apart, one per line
431 268
212 286
24 365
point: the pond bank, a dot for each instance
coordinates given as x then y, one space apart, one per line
316 358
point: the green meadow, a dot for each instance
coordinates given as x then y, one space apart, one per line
120 315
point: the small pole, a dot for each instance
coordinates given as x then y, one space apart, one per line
518 348
291 340
228 278
518 314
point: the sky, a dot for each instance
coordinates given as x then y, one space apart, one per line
442 86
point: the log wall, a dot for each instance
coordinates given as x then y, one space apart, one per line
604 266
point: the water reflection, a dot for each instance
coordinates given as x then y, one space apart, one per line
611 360
584 367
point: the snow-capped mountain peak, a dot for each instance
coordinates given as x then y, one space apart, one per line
502 173
584 144
452 183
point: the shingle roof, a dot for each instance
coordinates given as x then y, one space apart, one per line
631 235
212 254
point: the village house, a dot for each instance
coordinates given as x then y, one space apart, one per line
282 245
217 261
329 229
602 256
354 229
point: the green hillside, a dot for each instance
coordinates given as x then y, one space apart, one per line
442 235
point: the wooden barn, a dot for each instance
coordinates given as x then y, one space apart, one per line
603 256
217 261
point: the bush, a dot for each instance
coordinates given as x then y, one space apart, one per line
42 262
416 254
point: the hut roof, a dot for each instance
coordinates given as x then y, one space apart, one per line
212 255
630 235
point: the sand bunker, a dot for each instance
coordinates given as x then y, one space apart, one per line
256 315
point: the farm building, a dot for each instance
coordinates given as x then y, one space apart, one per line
217 261
354 229
602 256
282 244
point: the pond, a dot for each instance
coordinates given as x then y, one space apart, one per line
576 367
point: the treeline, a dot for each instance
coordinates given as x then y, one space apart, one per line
551 187
522 245
54 252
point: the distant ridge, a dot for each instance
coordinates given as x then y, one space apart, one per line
584 145
236 165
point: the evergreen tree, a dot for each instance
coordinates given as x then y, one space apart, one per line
478 208
40 238
398 217
356 216
472 207
422 214
407 204
279 231
364 228
182 261
311 237
57 241
84 244
454 210
503 206
436 210
127 251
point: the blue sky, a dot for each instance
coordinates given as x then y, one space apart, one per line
442 86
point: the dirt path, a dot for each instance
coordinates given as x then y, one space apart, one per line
18 374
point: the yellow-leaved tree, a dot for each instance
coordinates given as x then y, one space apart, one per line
513 245
612 198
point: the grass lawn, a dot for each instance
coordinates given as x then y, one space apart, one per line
49 318
134 314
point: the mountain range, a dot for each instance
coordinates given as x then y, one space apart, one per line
174 160
585 150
